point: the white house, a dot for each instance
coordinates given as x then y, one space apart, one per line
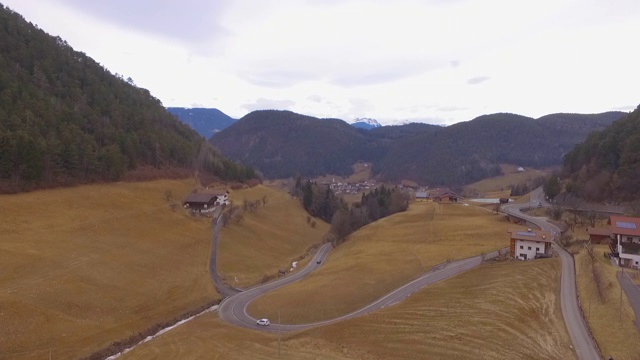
222 198
529 244
625 232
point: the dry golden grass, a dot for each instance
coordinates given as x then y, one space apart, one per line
511 177
383 256
504 310
85 266
497 194
615 334
266 240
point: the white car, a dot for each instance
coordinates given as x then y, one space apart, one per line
263 322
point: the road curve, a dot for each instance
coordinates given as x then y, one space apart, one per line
220 286
576 327
234 308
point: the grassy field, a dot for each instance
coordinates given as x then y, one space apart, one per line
500 183
613 328
85 266
266 240
383 256
480 314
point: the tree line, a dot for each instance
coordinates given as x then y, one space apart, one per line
320 201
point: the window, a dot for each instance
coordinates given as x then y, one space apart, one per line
629 239
537 249
528 247
521 247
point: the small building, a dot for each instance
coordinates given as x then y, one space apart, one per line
421 195
443 195
200 201
599 235
625 232
529 244
222 198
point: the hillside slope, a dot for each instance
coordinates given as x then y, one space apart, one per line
66 119
470 151
282 144
606 166
205 121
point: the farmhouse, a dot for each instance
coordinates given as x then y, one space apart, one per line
529 244
201 201
421 195
625 232
443 195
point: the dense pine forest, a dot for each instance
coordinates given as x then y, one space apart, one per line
65 119
606 166
284 144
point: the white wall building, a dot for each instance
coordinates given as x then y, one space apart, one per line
527 244
626 234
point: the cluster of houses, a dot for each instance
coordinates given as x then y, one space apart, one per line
349 188
622 234
205 202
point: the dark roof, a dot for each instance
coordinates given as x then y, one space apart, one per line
625 225
442 193
603 231
201 198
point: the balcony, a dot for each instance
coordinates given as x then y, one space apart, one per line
630 248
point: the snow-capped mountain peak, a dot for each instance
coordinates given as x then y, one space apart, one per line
365 123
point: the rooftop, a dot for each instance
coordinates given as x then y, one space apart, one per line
531 235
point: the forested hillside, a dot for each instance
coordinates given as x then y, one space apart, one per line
66 119
606 166
283 144
203 120
470 151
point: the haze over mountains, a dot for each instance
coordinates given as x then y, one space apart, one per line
66 119
283 144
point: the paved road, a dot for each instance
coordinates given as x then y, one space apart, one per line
222 288
233 309
578 332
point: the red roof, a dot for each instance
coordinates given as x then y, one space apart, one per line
533 235
624 225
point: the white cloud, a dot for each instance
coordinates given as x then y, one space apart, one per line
407 59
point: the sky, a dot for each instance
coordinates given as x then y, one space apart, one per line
433 61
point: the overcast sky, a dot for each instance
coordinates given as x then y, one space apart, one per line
435 61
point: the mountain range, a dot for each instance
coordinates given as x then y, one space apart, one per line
282 144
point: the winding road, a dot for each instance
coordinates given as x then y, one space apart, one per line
578 331
233 308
